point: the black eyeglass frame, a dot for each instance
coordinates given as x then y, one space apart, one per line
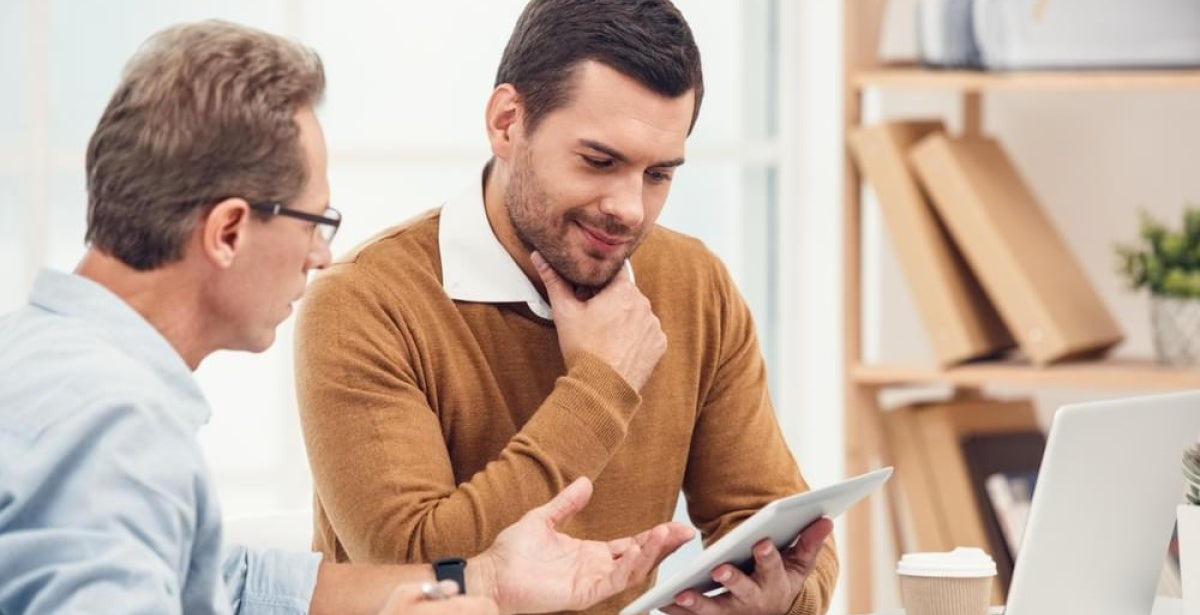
278 209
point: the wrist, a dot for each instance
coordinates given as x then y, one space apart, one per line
481 579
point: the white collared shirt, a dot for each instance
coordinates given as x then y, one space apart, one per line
475 265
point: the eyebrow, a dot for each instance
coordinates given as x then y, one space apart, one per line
619 157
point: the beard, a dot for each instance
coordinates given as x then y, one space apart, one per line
529 210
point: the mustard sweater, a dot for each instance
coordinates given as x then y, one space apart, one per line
431 424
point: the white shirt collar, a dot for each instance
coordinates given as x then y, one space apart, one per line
475 265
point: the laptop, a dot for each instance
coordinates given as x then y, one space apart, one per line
1104 507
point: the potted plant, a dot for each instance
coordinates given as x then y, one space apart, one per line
1188 527
1167 263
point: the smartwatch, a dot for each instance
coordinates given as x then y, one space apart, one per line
452 569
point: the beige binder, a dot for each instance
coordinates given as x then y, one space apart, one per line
960 321
1027 270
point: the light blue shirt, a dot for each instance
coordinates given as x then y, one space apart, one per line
106 504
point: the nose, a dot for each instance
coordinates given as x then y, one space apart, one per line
320 255
626 204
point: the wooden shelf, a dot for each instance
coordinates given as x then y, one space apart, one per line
910 77
1108 374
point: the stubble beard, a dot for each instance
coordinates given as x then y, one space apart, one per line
528 204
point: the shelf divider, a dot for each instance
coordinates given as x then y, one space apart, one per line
914 77
1111 374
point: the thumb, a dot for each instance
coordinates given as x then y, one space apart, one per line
557 289
568 502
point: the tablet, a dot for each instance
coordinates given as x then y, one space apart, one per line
780 521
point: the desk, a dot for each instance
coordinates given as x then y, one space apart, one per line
1162 606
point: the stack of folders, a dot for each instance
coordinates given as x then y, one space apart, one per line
985 264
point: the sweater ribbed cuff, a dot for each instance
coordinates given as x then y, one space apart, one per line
599 397
806 602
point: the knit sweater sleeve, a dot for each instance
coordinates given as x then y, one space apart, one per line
381 466
739 460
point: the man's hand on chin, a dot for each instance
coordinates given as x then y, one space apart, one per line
534 568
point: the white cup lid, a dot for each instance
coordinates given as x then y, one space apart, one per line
961 562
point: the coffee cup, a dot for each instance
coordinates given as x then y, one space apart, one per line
957 582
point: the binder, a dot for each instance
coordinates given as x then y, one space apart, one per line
1028 271
960 321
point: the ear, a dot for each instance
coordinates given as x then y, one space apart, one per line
504 118
223 231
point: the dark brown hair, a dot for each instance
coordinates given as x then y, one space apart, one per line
647 40
203 112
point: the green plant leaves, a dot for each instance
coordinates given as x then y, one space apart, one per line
1165 261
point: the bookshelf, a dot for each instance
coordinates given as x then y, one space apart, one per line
865 443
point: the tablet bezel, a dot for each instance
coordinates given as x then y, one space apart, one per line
781 521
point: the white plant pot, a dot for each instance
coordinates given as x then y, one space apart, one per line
1175 322
1189 557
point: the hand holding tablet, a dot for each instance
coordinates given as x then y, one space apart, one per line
780 522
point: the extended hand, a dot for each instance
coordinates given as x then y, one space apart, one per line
771 590
536 569
616 325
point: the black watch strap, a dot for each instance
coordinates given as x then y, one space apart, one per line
452 569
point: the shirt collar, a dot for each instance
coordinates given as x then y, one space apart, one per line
475 265
117 323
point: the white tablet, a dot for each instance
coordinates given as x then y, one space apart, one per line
780 521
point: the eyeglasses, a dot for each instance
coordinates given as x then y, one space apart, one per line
327 225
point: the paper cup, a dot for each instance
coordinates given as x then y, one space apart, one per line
957 582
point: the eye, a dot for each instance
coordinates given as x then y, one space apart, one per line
598 163
658 177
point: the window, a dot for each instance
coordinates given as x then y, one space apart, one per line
403 118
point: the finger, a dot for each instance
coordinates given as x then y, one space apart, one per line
557 289
619 284
742 587
664 540
768 566
681 531
632 562
804 553
669 539
695 602
675 609
568 502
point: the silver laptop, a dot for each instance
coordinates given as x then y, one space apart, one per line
1104 507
